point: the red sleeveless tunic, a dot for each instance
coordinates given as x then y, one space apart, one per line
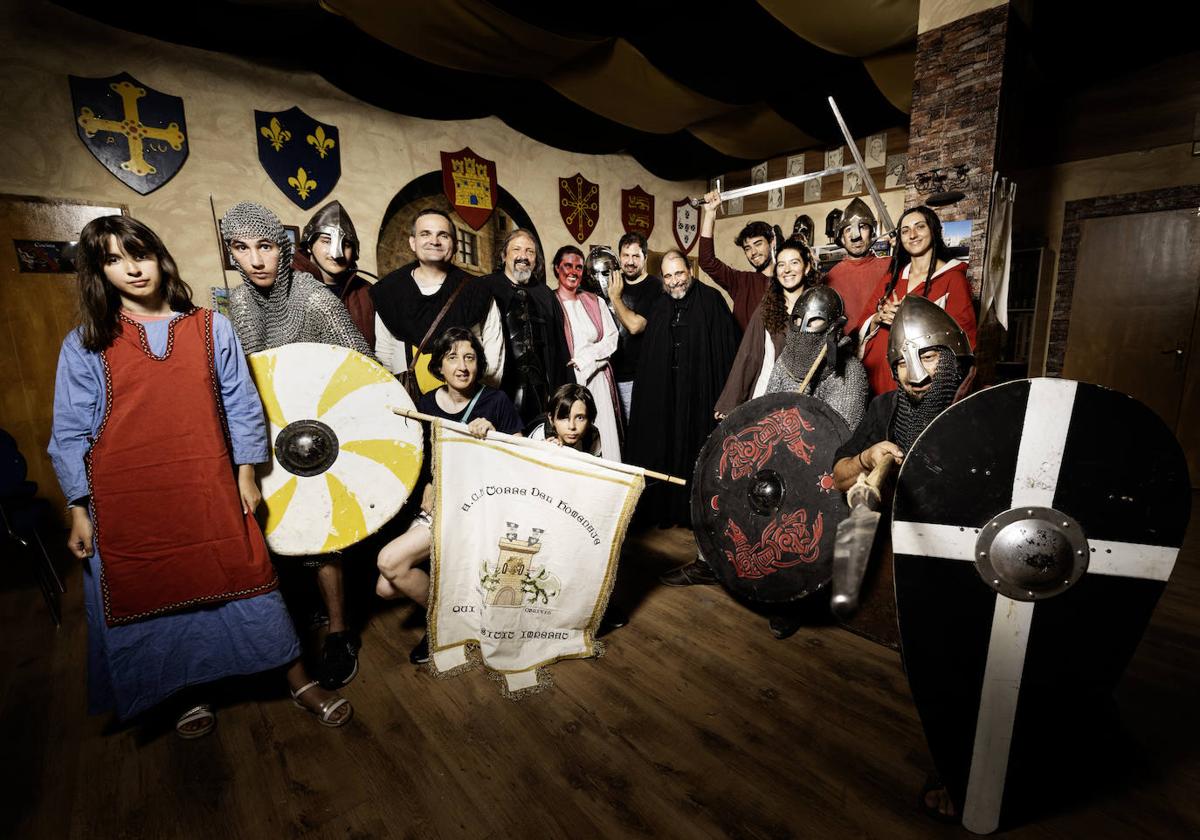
169 524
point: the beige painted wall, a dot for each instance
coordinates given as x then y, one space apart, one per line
1042 195
381 151
935 13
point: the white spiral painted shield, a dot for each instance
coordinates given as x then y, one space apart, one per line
373 455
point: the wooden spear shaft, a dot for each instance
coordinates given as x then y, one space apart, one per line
429 418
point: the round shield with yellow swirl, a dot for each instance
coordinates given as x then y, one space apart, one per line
342 463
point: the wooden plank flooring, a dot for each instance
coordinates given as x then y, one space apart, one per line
695 724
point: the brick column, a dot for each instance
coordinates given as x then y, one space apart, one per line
955 120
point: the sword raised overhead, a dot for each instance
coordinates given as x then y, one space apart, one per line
884 218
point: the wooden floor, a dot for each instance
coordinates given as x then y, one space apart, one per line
695 724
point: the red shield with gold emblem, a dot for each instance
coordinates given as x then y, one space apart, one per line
637 211
579 205
469 182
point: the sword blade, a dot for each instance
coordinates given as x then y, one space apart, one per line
851 551
884 218
767 186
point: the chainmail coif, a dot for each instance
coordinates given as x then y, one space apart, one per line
297 306
844 391
913 416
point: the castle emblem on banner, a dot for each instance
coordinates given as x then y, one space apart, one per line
302 155
637 211
136 132
469 181
513 580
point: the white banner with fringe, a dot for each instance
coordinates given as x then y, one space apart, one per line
526 537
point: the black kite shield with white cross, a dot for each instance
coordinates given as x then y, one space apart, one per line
1034 529
764 508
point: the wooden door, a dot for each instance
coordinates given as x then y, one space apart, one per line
1134 315
36 311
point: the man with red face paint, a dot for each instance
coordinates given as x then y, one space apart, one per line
591 335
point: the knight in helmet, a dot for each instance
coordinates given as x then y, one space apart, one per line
922 266
328 250
933 365
837 377
274 306
859 272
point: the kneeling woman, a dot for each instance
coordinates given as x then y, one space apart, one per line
459 360
570 420
178 588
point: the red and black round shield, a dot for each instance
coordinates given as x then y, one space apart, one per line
764 509
1034 528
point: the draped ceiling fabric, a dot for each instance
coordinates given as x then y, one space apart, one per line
686 93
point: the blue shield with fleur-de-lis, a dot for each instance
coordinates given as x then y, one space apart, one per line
303 156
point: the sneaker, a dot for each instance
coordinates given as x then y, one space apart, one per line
339 661
419 655
696 573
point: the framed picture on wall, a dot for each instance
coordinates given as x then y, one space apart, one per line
43 256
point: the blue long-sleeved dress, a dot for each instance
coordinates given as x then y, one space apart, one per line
132 667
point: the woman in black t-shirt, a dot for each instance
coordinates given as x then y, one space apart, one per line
458 358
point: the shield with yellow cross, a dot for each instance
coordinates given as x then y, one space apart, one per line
136 132
342 462
302 155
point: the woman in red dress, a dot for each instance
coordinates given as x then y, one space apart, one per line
922 266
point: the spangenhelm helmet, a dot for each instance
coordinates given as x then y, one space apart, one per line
920 324
333 220
818 302
856 212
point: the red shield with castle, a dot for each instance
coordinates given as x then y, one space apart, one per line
637 211
579 205
469 181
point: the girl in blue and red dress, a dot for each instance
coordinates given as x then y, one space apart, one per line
157 428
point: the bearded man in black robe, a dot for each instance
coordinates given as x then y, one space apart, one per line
534 341
688 349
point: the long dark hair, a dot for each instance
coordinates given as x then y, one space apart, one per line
903 258
99 301
559 408
775 312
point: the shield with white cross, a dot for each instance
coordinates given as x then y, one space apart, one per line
1034 528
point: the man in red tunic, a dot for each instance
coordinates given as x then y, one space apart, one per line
756 241
856 276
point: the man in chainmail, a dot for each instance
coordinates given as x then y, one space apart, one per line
933 364
274 306
840 379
